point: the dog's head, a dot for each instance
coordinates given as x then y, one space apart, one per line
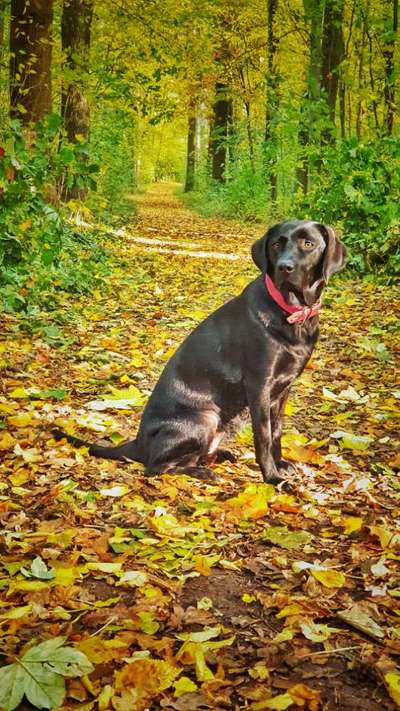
299 254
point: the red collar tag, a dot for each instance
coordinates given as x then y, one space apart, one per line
296 314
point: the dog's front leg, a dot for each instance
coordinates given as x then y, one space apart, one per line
260 412
277 410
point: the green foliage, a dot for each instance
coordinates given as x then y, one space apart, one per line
29 224
39 675
32 167
358 190
113 144
40 254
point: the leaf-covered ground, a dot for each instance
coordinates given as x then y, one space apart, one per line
183 594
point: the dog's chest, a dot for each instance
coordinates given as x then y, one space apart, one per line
286 367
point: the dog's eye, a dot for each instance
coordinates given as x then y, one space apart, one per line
307 244
275 245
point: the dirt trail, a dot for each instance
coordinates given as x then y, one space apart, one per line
259 578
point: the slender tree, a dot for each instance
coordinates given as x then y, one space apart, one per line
30 59
309 112
392 18
3 6
75 39
332 54
221 120
271 89
191 146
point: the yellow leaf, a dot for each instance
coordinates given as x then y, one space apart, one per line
252 502
19 478
16 613
65 575
104 698
202 566
392 680
351 524
27 586
147 676
193 653
284 636
289 611
278 703
248 598
329 578
290 408
19 393
387 538
167 525
184 685
104 567
259 671
22 420
8 407
7 441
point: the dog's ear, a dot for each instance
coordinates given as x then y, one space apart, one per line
259 250
334 257
259 253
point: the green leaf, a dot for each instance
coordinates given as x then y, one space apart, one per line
39 674
281 536
55 393
11 686
39 570
358 443
43 688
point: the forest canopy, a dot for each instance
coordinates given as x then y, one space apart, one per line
262 110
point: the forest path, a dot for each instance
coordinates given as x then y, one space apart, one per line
260 599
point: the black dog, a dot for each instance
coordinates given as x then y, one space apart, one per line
244 355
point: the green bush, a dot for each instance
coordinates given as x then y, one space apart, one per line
358 190
40 253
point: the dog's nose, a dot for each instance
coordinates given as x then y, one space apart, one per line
287 267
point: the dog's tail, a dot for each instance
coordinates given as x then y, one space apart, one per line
123 452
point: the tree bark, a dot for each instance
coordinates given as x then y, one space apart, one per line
75 40
313 11
388 53
222 118
332 57
361 58
2 12
191 147
30 59
271 89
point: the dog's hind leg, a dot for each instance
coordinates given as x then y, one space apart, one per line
173 449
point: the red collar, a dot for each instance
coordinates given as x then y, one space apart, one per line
296 314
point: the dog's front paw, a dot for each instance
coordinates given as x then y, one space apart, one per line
272 475
225 455
286 468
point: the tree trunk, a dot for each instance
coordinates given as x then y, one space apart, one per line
222 117
2 13
191 147
271 105
30 59
75 40
360 107
342 83
388 53
332 57
309 112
